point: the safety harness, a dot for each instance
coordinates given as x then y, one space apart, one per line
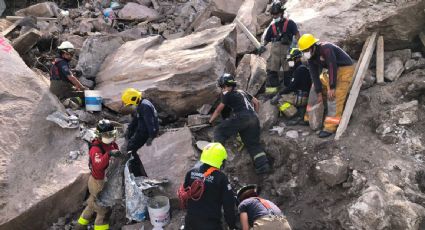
195 190
277 34
266 205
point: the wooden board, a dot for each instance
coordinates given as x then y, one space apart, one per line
14 18
357 83
11 28
360 60
4 24
380 60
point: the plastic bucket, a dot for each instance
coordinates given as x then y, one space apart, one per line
159 211
93 100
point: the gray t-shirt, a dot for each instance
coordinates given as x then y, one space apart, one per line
255 209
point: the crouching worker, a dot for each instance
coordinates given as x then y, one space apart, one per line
206 190
244 120
63 83
297 89
101 149
258 213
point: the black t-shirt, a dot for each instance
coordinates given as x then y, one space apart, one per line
255 209
238 101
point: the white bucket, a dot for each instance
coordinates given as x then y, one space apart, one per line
93 100
159 211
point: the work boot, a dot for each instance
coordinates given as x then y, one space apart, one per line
295 121
261 164
324 134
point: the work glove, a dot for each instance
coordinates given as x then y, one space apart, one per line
261 50
149 141
115 153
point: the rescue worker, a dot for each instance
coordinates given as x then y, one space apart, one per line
63 83
259 213
280 33
334 85
144 126
101 150
299 85
204 210
244 120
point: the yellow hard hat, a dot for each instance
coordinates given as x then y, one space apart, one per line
306 41
214 154
131 96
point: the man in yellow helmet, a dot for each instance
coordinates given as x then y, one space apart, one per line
206 191
335 84
145 124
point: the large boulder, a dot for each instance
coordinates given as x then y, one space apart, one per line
170 156
178 75
34 154
267 115
247 15
251 73
226 10
45 9
338 21
209 23
94 51
136 11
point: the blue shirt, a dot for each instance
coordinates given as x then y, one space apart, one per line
255 209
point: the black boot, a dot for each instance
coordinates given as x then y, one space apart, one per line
324 134
295 121
262 165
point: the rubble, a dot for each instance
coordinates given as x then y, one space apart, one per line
205 109
404 55
94 51
136 11
26 41
293 134
393 69
406 113
45 9
268 115
414 64
251 73
169 72
332 171
172 148
197 119
209 23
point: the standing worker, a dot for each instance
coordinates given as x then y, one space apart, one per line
299 84
63 83
101 149
335 84
259 213
244 121
206 190
280 33
145 124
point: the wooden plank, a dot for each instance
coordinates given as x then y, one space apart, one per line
360 59
11 28
357 83
380 60
14 18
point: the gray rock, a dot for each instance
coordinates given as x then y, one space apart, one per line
247 15
226 10
95 50
414 64
404 55
268 115
26 41
209 23
197 119
45 9
406 113
417 55
86 82
332 171
293 134
251 73
205 109
170 149
394 68
136 11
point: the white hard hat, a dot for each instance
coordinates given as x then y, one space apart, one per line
66 45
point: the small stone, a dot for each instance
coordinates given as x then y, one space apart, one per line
205 109
306 133
292 156
332 171
416 55
73 155
197 119
294 168
292 134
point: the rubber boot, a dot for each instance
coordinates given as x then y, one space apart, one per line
324 134
272 83
299 119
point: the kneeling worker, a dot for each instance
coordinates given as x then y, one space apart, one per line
336 85
244 121
206 190
102 148
258 213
